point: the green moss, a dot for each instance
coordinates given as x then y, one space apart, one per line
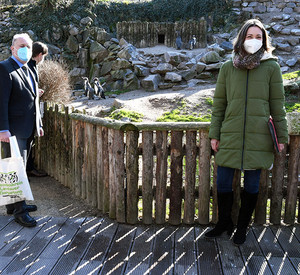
292 107
133 116
209 101
176 116
291 75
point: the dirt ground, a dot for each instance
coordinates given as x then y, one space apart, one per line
55 200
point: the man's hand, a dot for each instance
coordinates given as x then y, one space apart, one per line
4 136
215 144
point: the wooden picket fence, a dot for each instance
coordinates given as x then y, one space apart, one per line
155 172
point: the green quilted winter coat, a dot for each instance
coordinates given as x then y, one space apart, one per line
243 103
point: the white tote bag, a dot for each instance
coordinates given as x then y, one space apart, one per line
14 185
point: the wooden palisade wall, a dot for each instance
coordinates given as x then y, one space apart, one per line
166 169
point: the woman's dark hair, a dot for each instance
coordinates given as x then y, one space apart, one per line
39 47
238 47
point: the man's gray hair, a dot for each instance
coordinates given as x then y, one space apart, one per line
21 35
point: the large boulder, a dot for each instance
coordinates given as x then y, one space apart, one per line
211 57
98 52
173 77
162 68
129 52
131 82
120 63
150 83
175 58
72 44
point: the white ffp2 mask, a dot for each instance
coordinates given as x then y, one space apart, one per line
252 45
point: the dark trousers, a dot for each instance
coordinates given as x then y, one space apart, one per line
225 179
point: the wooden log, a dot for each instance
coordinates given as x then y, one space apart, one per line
100 168
277 187
261 205
292 184
119 169
236 186
147 177
176 177
161 176
79 138
190 177
106 178
112 177
204 177
91 176
132 173
57 147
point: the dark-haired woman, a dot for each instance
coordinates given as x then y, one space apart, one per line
249 90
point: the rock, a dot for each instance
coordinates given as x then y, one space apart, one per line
53 49
102 36
83 57
291 62
284 47
179 87
98 52
77 72
86 21
106 68
200 67
73 30
214 66
210 57
173 77
174 58
295 32
131 82
141 71
72 44
165 85
120 63
150 83
162 68
284 69
129 52
188 74
277 27
217 49
227 45
119 74
293 123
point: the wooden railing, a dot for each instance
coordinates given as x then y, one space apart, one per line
155 172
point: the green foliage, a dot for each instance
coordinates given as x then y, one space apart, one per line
106 14
292 107
133 116
291 75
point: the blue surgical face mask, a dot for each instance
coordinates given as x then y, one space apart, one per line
24 54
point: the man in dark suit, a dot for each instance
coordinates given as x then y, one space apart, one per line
19 110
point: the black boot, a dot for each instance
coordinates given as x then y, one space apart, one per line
28 207
21 215
248 203
224 223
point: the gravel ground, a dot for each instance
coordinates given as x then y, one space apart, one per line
55 200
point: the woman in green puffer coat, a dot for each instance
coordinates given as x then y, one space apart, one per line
249 90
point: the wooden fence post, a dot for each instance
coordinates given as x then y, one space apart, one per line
190 177
161 176
292 185
204 177
132 174
176 178
261 205
147 180
277 187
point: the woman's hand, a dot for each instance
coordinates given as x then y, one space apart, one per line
280 147
215 144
